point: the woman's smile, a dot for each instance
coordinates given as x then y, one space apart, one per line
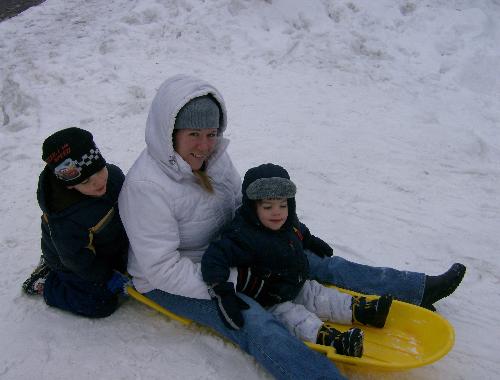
195 145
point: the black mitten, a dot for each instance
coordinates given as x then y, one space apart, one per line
319 247
229 304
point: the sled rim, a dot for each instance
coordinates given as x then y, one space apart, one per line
149 302
429 334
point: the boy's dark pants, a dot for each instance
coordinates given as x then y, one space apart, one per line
69 292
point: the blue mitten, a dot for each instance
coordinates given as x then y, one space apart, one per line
118 283
229 304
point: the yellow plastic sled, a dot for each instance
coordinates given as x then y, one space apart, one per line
412 337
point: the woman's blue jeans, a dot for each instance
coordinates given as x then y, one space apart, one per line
403 285
262 336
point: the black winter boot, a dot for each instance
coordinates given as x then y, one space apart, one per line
373 313
349 343
438 287
34 284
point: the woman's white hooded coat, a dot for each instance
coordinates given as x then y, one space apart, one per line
169 218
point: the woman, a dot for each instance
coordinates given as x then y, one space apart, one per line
179 193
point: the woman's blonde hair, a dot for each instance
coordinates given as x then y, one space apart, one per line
204 180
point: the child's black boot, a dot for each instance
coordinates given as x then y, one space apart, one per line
437 287
349 343
35 283
373 313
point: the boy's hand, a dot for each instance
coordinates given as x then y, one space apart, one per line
229 304
118 283
319 247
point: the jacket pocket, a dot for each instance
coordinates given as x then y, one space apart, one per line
99 228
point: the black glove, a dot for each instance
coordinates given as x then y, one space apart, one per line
229 304
319 247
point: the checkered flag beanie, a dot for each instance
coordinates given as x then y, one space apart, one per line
72 155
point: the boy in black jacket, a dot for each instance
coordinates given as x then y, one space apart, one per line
84 245
266 242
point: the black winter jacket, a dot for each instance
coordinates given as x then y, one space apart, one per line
272 265
82 234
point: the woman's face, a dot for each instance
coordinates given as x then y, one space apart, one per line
95 185
195 145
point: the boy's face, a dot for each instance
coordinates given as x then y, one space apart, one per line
272 213
95 185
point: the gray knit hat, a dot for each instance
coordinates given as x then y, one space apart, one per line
199 113
271 188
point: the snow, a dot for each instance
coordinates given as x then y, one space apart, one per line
386 114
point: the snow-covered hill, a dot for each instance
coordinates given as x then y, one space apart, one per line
386 114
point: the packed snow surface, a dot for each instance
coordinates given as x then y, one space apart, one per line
386 114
